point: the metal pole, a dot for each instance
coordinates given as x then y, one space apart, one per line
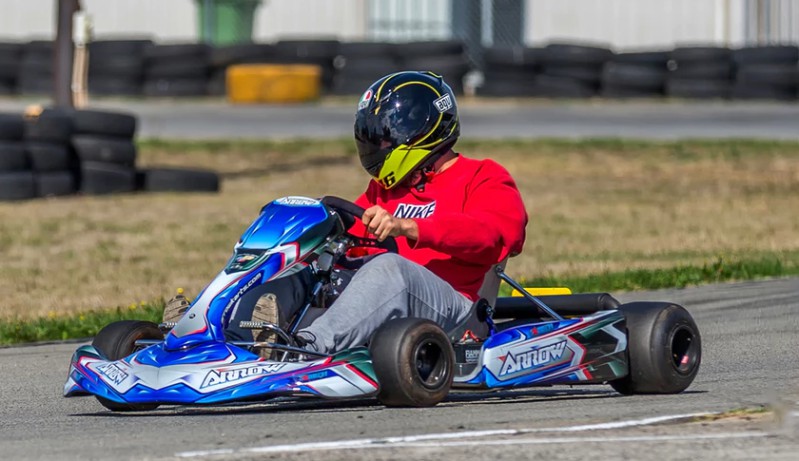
62 56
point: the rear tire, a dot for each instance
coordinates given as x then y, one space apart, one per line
118 340
664 349
413 360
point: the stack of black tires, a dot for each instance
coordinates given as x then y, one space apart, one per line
769 72
510 71
360 64
10 57
60 152
177 70
35 71
571 71
635 74
700 72
116 67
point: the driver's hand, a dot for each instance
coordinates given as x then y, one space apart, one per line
382 224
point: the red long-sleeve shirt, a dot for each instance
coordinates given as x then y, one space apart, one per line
470 217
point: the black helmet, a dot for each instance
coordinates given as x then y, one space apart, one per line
403 121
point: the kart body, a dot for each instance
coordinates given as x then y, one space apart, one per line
193 363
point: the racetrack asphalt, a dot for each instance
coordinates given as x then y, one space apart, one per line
481 119
750 334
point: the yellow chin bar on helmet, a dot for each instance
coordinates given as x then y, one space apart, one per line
399 163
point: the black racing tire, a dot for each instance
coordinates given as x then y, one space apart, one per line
7 88
573 54
698 89
415 50
178 70
586 74
12 127
55 184
778 75
9 68
224 56
178 51
718 70
11 50
499 85
103 49
47 156
664 349
414 362
117 340
549 86
307 49
17 185
95 122
117 66
179 180
501 58
100 178
366 49
656 59
119 86
634 76
774 54
13 157
700 54
94 148
34 84
766 92
52 125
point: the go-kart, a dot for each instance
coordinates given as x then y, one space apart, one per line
507 342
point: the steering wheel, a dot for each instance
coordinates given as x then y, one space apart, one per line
350 213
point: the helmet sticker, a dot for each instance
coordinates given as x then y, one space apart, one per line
364 102
444 103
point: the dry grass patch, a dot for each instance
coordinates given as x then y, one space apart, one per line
594 206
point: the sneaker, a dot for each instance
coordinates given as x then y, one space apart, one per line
176 307
266 310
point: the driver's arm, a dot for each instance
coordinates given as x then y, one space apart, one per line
491 226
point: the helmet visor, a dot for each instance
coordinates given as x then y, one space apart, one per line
395 120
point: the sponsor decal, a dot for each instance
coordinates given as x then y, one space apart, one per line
472 355
444 103
364 102
544 355
296 201
405 210
226 376
113 372
243 290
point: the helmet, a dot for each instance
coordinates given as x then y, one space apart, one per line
404 122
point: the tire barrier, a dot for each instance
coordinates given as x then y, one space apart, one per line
132 67
53 152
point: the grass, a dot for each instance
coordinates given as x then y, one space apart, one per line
618 215
87 324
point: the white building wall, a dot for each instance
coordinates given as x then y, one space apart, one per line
627 24
176 20
623 24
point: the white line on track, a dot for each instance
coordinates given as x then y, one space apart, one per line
419 440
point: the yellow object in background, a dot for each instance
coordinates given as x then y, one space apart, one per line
273 83
544 291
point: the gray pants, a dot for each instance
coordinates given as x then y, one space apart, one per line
387 287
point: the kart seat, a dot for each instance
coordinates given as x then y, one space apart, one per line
476 321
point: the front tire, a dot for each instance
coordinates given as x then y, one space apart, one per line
413 360
117 340
663 346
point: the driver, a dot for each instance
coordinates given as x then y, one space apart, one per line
453 218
